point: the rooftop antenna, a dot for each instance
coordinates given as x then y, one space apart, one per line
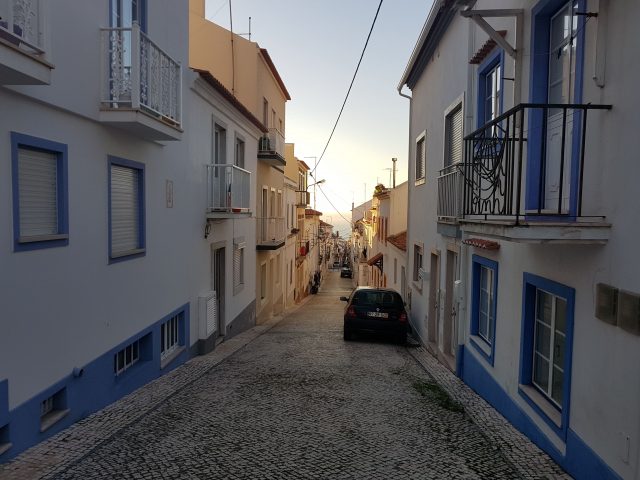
247 34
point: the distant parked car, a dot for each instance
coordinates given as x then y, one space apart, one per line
375 310
336 264
346 272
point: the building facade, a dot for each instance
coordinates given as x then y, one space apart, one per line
95 206
522 273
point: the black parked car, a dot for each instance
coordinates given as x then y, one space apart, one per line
346 272
375 310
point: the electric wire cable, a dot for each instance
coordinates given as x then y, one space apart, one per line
348 91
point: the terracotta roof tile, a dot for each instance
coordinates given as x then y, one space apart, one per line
482 243
482 53
399 240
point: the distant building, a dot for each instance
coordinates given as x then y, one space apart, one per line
520 238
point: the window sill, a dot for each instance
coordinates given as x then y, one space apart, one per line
51 418
129 255
5 446
482 346
420 181
238 289
43 238
171 357
418 286
543 405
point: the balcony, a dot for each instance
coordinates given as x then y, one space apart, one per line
450 193
141 85
22 51
271 148
303 199
524 176
270 234
228 191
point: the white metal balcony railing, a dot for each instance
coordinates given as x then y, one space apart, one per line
272 142
269 230
21 23
228 188
450 192
140 75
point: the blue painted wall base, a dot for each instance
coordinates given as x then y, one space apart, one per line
579 461
94 389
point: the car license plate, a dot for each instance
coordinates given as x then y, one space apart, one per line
378 314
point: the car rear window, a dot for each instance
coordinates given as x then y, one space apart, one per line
383 299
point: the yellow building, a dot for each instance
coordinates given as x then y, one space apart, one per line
247 71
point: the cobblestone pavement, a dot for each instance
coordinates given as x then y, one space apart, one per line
291 399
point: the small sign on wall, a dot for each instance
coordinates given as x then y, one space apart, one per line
169 193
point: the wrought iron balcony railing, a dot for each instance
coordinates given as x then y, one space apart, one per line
21 23
140 75
529 162
228 189
270 230
450 192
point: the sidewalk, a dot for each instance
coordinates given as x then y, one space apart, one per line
69 447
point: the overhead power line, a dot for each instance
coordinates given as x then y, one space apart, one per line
348 91
334 207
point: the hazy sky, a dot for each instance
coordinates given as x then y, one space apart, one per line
315 46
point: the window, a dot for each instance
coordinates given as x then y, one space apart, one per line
238 160
53 409
291 272
278 269
484 305
126 12
453 136
490 89
126 358
417 262
265 112
395 271
40 193
546 346
263 281
170 336
273 119
238 267
279 203
126 209
219 145
420 158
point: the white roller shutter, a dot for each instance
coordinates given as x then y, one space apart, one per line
38 192
454 136
125 209
420 160
238 267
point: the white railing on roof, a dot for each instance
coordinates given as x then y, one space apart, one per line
21 23
140 75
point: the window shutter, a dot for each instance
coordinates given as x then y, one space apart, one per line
237 267
38 192
420 167
125 209
454 136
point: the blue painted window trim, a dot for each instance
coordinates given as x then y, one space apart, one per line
531 283
141 202
538 93
477 262
142 9
493 60
183 322
60 150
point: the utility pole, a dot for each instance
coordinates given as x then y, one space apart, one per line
394 160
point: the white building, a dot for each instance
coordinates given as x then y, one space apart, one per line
117 228
532 213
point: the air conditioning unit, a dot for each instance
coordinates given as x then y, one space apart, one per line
208 314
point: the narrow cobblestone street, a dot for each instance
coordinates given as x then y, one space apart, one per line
299 402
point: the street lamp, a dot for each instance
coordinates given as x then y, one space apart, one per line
314 190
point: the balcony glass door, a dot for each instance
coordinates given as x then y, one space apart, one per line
563 46
124 13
